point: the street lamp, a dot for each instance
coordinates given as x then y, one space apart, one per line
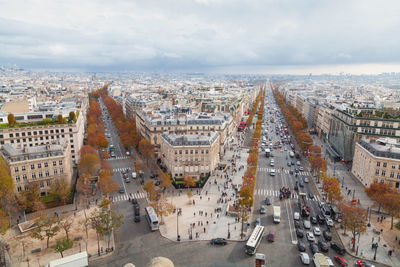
343 182
376 248
229 232
178 237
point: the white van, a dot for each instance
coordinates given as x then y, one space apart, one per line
272 172
134 175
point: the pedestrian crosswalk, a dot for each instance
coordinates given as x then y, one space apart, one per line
118 158
122 169
124 197
262 169
276 193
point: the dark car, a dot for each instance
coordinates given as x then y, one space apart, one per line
313 220
136 208
321 219
300 232
297 224
310 195
157 183
291 171
339 249
323 246
301 246
296 170
296 188
218 241
267 201
289 164
314 248
301 184
134 201
152 176
341 261
271 236
327 235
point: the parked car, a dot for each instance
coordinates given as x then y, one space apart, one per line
257 222
314 248
262 209
301 246
339 249
306 179
327 235
267 201
341 261
361 263
296 215
305 259
317 231
121 189
300 232
320 218
323 246
297 224
329 222
310 237
271 236
218 241
301 184
311 195
313 220
306 224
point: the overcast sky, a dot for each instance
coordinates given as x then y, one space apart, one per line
200 35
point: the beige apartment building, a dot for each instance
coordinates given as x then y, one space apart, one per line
41 164
193 155
377 161
39 135
323 120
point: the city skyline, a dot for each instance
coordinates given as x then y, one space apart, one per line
204 35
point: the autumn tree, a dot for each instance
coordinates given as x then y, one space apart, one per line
162 207
62 245
189 181
166 180
315 150
60 119
61 189
106 183
65 223
354 219
244 203
47 227
391 202
30 199
7 196
11 120
376 192
331 186
83 187
150 189
89 163
72 117
146 149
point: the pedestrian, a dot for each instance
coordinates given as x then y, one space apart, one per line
206 214
200 197
361 253
204 229
207 222
194 214
201 223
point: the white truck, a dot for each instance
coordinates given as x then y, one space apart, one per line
277 214
75 260
320 260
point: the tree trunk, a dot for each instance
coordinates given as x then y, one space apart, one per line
48 238
62 256
379 208
66 233
108 241
98 244
354 243
391 225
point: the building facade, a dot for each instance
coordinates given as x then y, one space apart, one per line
42 164
193 155
377 162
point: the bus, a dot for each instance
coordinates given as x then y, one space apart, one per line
152 218
254 240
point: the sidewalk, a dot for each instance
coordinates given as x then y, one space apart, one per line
352 188
207 218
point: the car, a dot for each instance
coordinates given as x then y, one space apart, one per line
121 189
291 171
267 201
296 170
307 224
310 237
218 241
301 168
157 183
306 180
136 209
296 215
262 209
153 175
320 204
327 235
305 259
361 263
296 188
300 232
317 231
323 246
289 164
298 163
341 261
339 249
257 222
297 224
127 153
320 218
310 195
124 171
313 220
301 246
271 236
301 184
314 248
329 222
127 180
134 201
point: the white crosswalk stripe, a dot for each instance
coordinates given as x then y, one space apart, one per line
125 197
276 193
118 158
122 169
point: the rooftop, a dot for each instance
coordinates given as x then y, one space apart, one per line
190 139
383 147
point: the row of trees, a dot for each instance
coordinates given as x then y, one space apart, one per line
12 122
95 130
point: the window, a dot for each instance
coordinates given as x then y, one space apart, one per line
398 175
47 174
48 182
23 168
41 184
24 177
384 165
378 164
60 162
54 163
377 172
180 153
39 165
40 174
383 173
15 169
11 135
46 165
17 134
206 151
392 175
393 166
19 188
17 178
61 170
33 175
32 166
29 133
26 188
191 151
55 171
